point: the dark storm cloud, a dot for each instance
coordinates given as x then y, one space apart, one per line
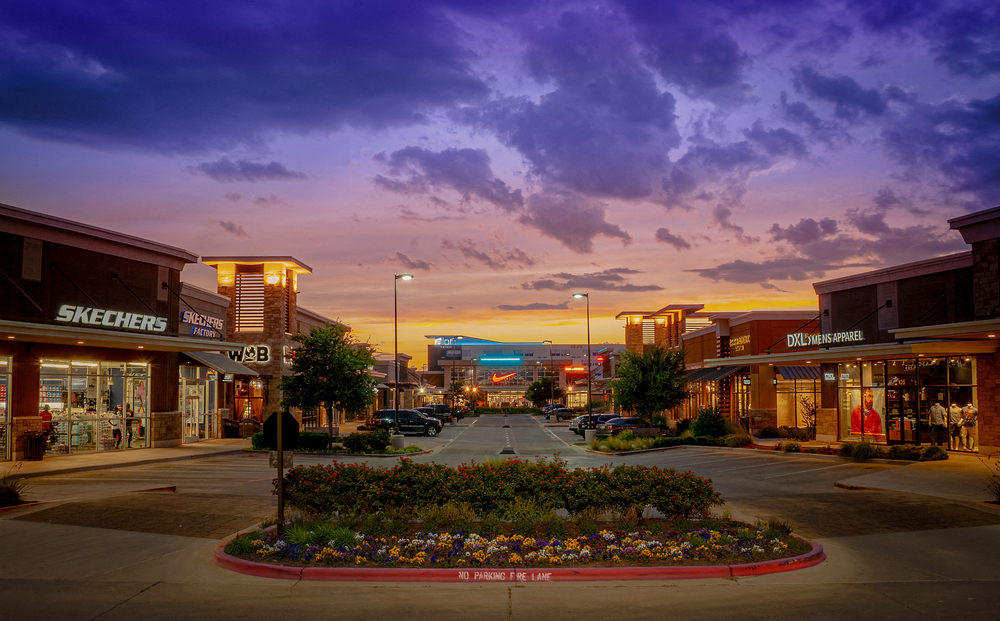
187 76
605 128
850 99
234 229
496 259
533 306
957 142
573 220
678 242
688 45
466 171
608 280
226 170
887 198
830 39
806 231
412 264
821 130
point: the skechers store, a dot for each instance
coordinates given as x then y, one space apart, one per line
89 341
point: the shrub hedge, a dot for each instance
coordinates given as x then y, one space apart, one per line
492 487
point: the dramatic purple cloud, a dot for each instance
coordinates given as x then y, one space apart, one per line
613 279
664 235
496 259
226 170
412 264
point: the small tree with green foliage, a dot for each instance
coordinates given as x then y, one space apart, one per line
454 390
330 368
650 382
543 390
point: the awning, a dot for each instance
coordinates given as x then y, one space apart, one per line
220 363
800 372
721 372
695 375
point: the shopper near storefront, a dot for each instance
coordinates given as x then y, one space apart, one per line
938 416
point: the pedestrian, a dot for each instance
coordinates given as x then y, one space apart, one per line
938 418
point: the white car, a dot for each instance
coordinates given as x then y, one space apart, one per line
575 423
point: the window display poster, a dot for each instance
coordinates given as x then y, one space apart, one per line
866 411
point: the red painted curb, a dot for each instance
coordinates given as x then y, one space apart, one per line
23 505
553 574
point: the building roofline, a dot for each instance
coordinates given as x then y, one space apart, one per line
289 262
934 265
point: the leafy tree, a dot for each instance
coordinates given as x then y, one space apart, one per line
330 368
541 391
455 389
710 422
650 382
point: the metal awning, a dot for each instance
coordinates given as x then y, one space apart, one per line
220 363
800 372
695 375
721 372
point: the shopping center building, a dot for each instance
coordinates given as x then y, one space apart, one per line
91 338
504 370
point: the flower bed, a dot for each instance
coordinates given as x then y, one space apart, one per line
653 544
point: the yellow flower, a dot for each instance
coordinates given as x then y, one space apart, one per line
616 558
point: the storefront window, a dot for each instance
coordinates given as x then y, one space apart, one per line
249 399
797 399
4 408
892 401
197 399
93 406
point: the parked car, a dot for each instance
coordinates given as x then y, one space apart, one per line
440 408
444 417
586 423
617 425
410 421
561 414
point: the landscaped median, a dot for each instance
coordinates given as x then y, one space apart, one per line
509 521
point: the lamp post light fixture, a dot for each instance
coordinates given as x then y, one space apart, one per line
395 350
590 371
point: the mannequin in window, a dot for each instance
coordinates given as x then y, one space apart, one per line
864 418
938 420
955 426
970 430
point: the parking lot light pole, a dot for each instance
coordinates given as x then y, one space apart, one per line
590 407
395 350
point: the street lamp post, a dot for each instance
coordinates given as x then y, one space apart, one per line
590 403
395 350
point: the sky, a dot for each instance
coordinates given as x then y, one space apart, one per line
509 154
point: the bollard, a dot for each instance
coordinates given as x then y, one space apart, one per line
397 442
589 435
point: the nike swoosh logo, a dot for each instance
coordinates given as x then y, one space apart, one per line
497 378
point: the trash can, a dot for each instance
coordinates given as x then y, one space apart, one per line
34 445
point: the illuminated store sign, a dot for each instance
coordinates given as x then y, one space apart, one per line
202 325
251 353
811 340
110 318
497 377
739 343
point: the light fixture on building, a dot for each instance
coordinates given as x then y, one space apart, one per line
273 279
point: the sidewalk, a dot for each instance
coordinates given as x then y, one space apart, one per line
117 459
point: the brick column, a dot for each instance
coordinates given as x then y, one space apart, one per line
988 388
986 279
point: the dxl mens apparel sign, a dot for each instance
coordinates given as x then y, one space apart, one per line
110 318
806 340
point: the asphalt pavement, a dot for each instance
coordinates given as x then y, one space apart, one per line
125 538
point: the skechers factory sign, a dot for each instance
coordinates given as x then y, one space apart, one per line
110 318
807 340
201 325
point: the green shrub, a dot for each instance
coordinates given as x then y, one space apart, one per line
910 452
626 436
341 538
737 440
555 528
668 441
710 422
313 441
299 534
374 442
705 441
865 450
243 544
933 453
846 449
586 525
791 447
257 442
768 432
490 526
775 528
512 486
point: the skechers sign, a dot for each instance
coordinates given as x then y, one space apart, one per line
110 318
812 340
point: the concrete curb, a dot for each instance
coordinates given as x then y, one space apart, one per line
516 575
142 462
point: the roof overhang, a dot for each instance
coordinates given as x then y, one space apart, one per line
290 263
864 352
91 337
985 329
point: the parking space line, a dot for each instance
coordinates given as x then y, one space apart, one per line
772 462
774 476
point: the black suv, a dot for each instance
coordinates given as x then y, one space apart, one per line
440 408
410 421
585 422
429 410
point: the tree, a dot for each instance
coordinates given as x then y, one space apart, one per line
650 382
330 368
541 391
454 390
